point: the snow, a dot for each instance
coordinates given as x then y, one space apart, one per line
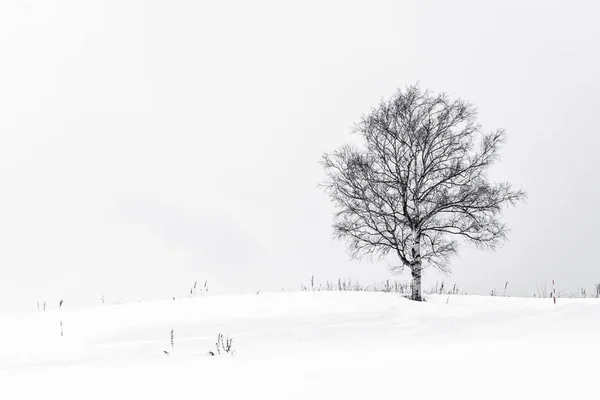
307 345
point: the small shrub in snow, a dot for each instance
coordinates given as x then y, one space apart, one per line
224 345
542 291
441 288
203 289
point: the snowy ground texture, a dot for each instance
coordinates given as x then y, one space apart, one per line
321 345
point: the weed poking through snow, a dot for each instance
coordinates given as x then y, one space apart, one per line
172 343
224 345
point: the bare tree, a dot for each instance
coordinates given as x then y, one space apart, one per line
418 184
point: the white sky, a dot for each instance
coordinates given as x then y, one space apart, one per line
147 144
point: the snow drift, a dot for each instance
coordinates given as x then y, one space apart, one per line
351 345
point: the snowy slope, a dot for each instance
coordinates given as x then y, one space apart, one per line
351 345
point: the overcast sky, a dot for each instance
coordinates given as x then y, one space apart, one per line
148 144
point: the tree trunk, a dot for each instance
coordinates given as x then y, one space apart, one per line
416 283
417 268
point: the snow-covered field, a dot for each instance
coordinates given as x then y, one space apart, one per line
347 345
